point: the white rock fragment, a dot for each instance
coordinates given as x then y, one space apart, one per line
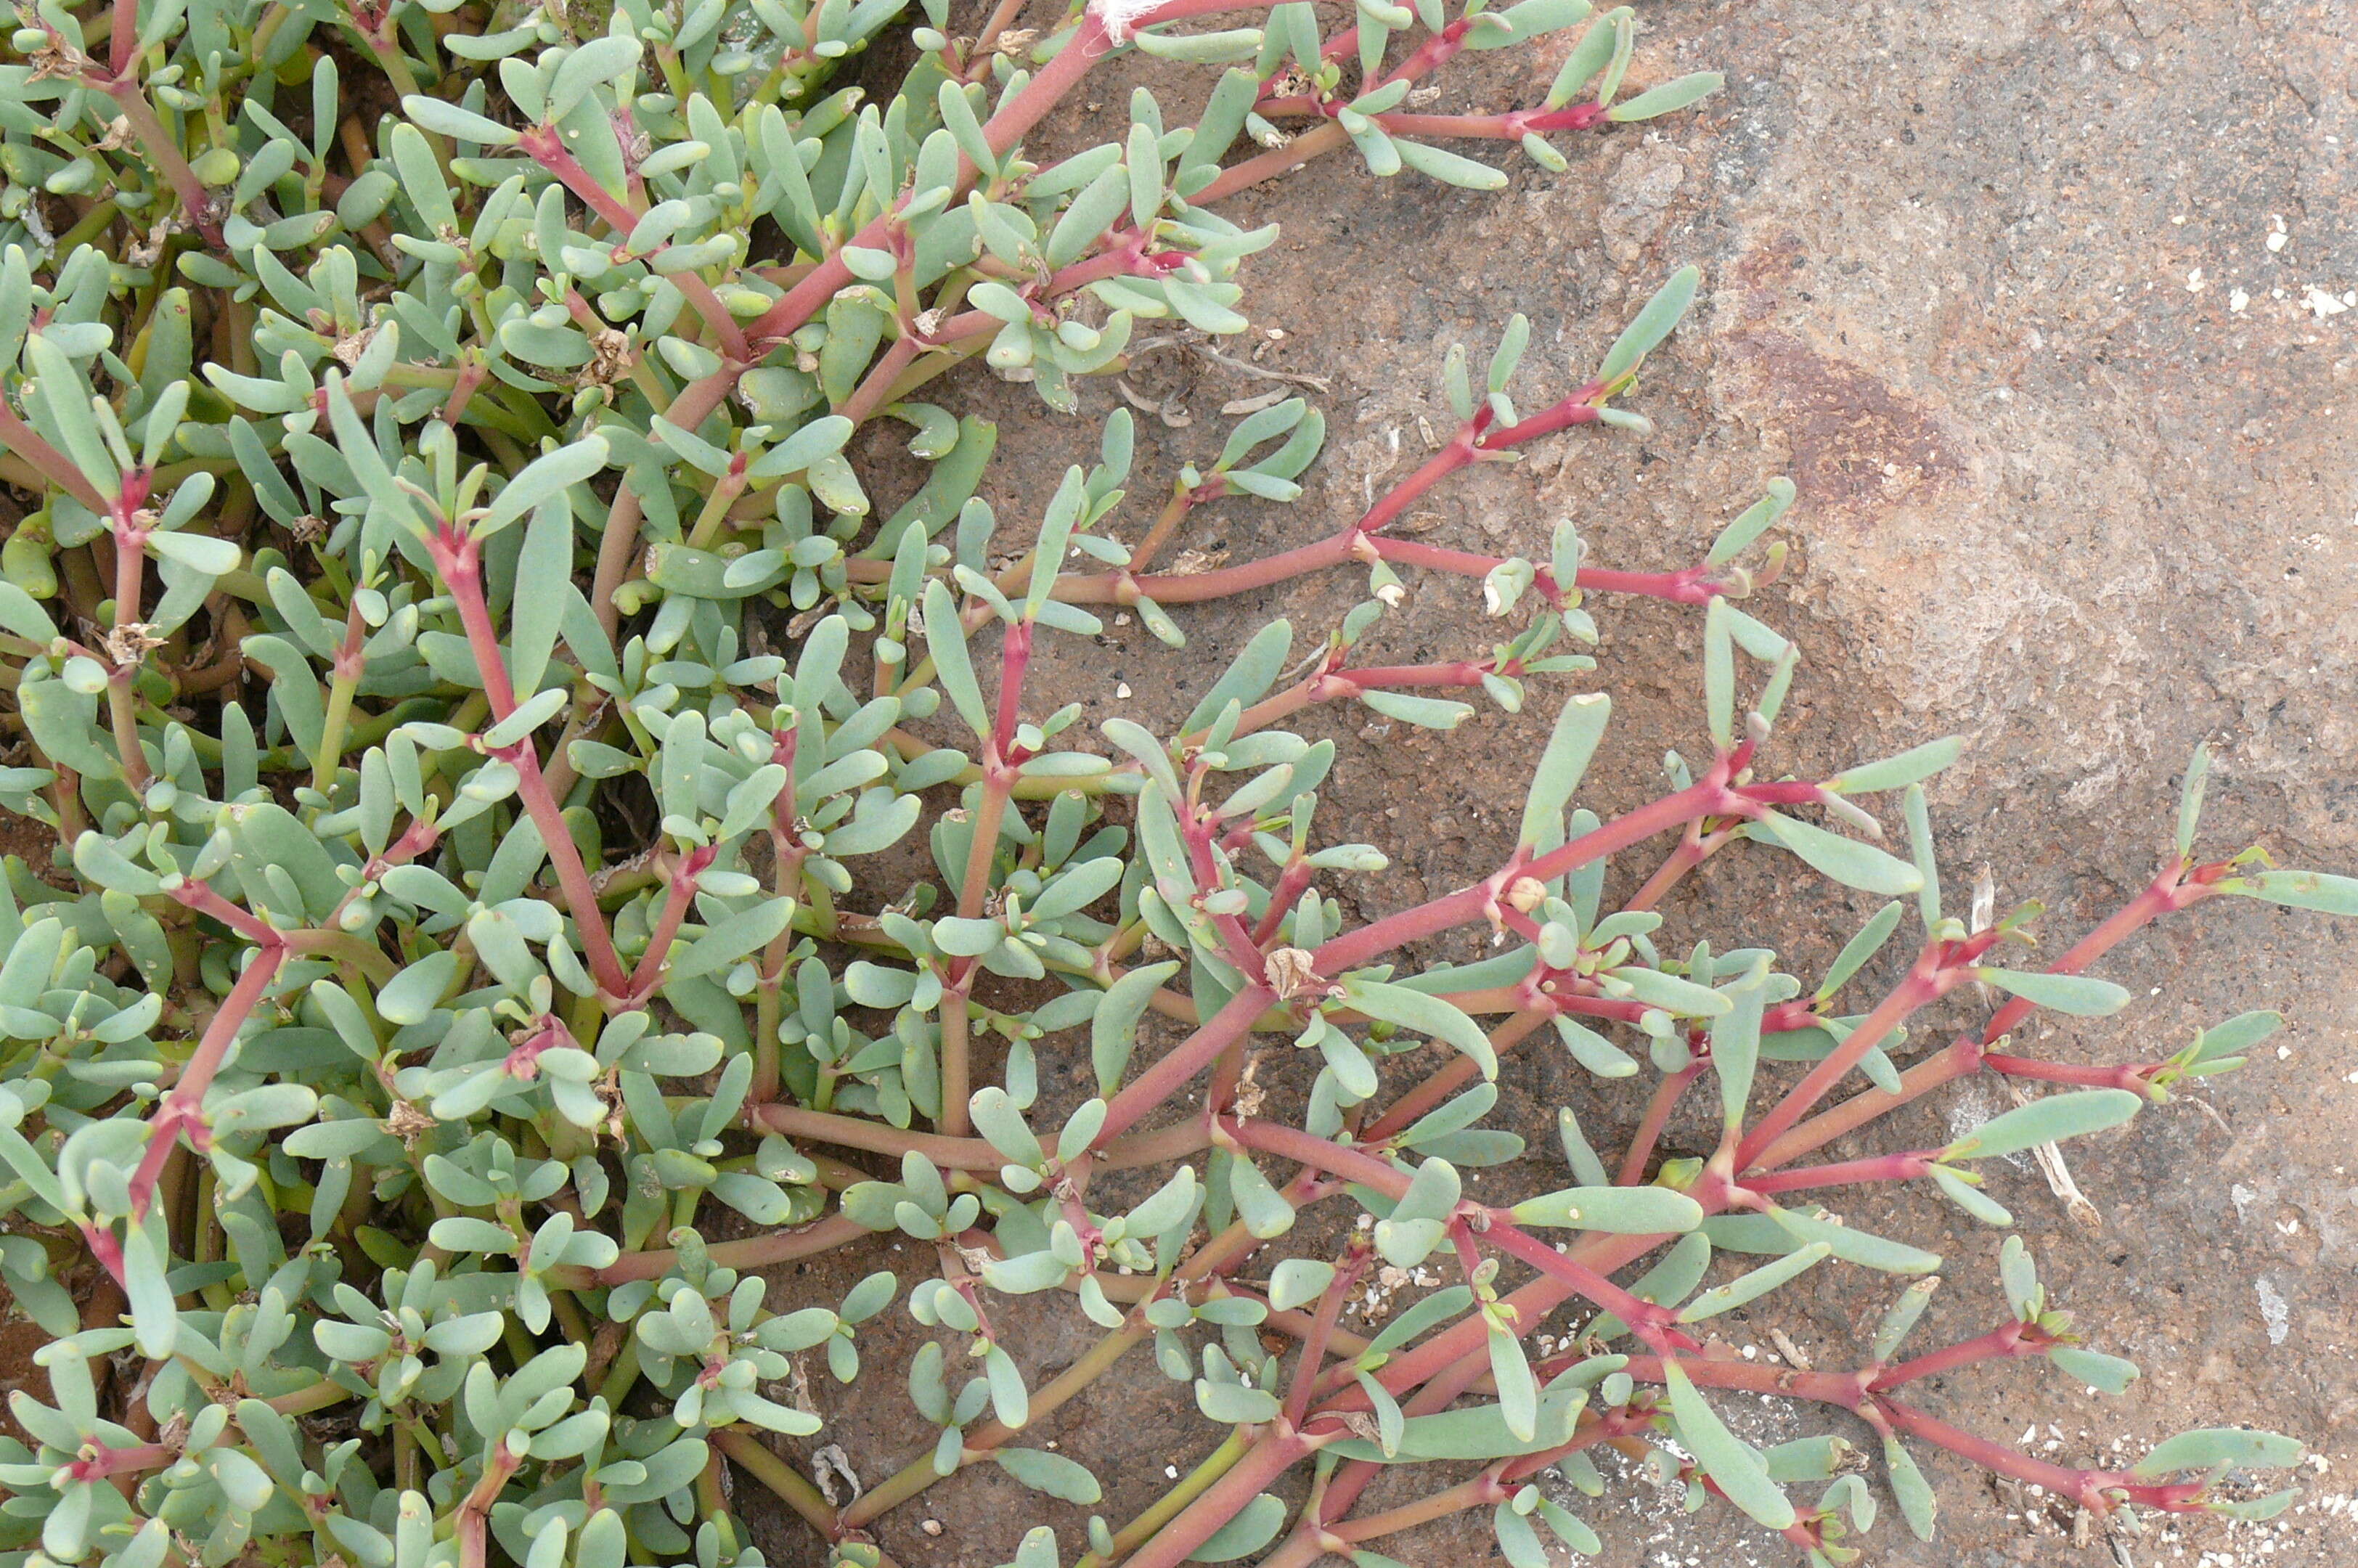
2275 1311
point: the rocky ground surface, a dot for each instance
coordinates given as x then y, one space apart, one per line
2046 308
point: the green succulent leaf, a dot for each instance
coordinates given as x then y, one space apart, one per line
2078 995
1732 1465
2049 1120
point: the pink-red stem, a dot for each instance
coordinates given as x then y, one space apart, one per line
183 1108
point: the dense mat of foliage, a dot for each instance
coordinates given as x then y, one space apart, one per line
475 696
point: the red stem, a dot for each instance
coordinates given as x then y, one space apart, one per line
1242 951
182 1109
1089 44
2091 1489
676 906
1531 1304
460 561
1268 165
1189 1057
1960 1059
572 876
2136 1077
1278 1451
122 1460
1015 658
1434 52
2172 889
473 1526
1454 1355
1451 1361
544 144
854 1133
1309 1149
1449 1077
202 898
870 394
1691 585
1458 454
125 35
1647 1321
752 1252
1194 588
1846 1390
1330 1312
1473 440
1658 1116
472 373
1511 126
1462 672
1292 883
1694 847
1848 1173
1158 1147
620 543
1926 981
2003 1343
2167 893
1485 1490
1180 10
164 151
1707 797
27 443
1126 259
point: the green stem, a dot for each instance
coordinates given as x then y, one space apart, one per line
919 1474
1168 1506
752 1252
1276 1451
618 548
620 1373
793 1488
330 760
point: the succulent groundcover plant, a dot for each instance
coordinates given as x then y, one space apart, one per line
434 418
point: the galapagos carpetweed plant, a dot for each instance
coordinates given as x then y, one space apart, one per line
447 630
